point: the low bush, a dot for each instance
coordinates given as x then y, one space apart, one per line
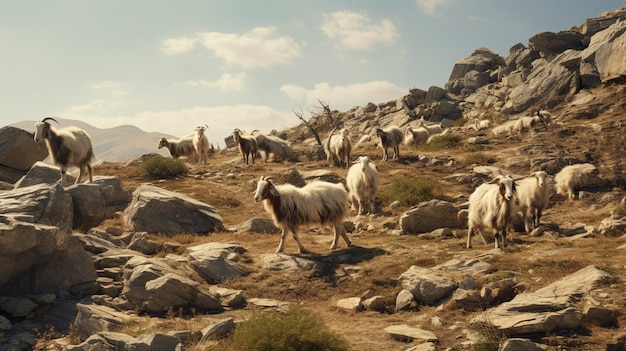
297 329
157 167
409 191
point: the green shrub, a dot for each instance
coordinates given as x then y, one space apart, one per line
409 191
157 167
297 330
443 141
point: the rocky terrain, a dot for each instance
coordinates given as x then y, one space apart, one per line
136 263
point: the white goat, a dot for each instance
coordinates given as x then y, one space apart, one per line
534 194
490 207
363 139
362 181
507 128
432 128
415 135
247 145
338 147
290 207
390 137
179 148
269 144
575 177
201 144
68 147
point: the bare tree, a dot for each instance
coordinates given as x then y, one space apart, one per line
300 116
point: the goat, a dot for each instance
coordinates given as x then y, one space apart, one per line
179 148
415 135
247 145
534 194
390 137
201 144
362 181
574 177
432 128
338 147
290 207
68 147
490 207
271 145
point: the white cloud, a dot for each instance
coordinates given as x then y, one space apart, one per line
109 87
351 30
344 97
430 7
220 119
110 95
259 48
174 46
227 82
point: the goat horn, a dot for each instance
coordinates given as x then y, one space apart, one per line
50 118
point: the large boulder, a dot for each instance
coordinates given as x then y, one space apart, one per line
38 258
97 201
42 173
42 204
606 51
427 286
156 210
550 44
18 152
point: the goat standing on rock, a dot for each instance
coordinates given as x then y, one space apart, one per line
68 147
317 202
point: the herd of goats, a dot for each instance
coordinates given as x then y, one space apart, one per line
494 205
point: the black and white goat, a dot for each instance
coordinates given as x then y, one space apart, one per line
179 148
68 147
318 202
390 137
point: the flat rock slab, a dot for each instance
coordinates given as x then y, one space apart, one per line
405 332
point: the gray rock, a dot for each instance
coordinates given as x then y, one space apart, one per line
350 303
141 243
258 225
404 299
404 332
550 44
467 299
550 308
18 149
42 204
375 303
156 210
213 262
110 341
161 342
158 285
92 319
428 216
218 330
42 173
517 344
426 285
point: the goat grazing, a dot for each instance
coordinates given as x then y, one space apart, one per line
338 147
575 177
179 148
415 135
490 207
271 145
390 137
431 128
534 194
68 147
362 181
247 145
201 144
290 207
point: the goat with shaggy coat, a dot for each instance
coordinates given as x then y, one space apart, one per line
362 181
390 137
338 147
179 148
317 202
575 177
534 194
490 207
201 144
68 147
415 135
273 145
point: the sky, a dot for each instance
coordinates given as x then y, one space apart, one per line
170 66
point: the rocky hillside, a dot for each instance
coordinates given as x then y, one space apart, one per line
132 262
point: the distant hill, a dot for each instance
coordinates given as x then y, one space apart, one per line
112 144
